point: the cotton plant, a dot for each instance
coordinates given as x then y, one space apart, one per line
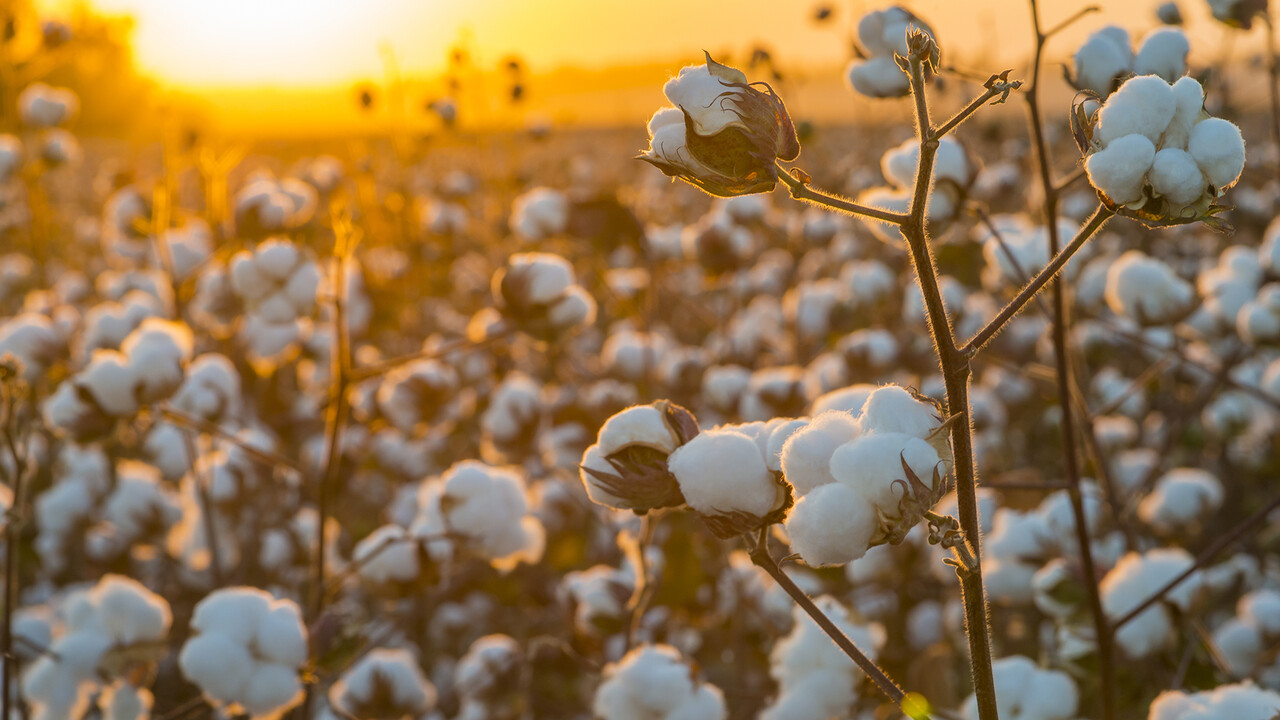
246 652
278 284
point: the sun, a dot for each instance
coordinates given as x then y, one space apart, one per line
195 43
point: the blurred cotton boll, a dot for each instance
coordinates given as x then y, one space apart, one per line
479 510
537 292
246 653
881 35
1025 692
42 106
386 683
653 683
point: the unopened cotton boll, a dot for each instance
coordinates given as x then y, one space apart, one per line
1163 53
1143 105
1118 168
1218 148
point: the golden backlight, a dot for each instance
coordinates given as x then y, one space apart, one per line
255 61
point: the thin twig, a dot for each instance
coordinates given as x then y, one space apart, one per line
262 457
801 191
1042 278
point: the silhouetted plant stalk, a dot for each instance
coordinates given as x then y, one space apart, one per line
11 386
1062 362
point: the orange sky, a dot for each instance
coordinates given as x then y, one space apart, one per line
228 49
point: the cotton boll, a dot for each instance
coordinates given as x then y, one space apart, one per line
123 701
219 665
1131 581
272 690
1119 168
1175 175
389 676
806 456
831 525
1143 105
850 399
1146 290
652 681
1189 104
281 637
877 77
689 91
723 471
778 438
873 464
1261 608
233 613
1218 148
1163 52
1181 498
1240 646
1025 691
893 409
387 555
1103 57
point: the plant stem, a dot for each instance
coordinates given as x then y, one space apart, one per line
801 191
12 528
955 373
1273 77
761 557
1063 364
1050 271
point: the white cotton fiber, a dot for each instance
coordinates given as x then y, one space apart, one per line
1218 148
831 525
1119 168
1143 105
1175 175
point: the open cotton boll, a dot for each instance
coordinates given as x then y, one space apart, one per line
1025 692
689 91
1103 57
1175 175
112 381
803 652
722 472
652 682
877 77
893 409
1218 148
806 455
831 525
122 701
1146 290
1239 644
1119 168
1143 105
387 554
848 399
780 433
1189 105
384 683
539 213
1181 498
1130 582
1243 701
1261 608
872 465
1164 53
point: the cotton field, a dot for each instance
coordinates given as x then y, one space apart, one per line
971 412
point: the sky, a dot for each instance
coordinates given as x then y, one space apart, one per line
194 43
291 65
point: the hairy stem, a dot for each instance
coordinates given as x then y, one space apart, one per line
955 372
800 190
1033 288
761 557
1062 362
